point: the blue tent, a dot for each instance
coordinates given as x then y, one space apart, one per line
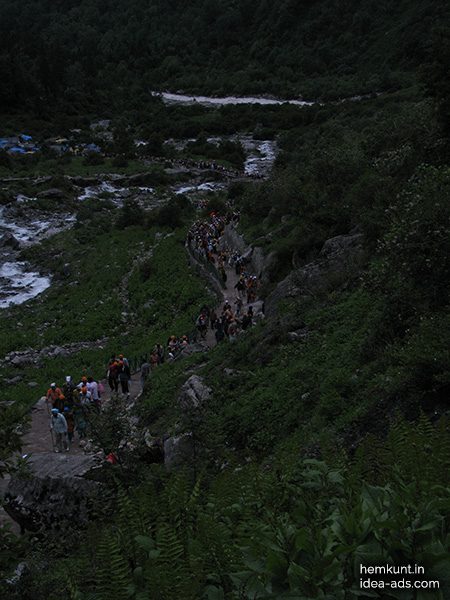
26 138
16 150
93 147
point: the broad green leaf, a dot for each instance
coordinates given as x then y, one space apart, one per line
277 564
146 543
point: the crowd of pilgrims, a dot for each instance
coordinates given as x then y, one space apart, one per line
201 164
74 401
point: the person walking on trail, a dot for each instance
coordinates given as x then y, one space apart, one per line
153 361
159 348
68 390
124 360
124 378
83 383
232 332
219 334
58 425
71 423
145 370
126 367
84 398
113 377
246 321
80 418
53 394
60 403
92 386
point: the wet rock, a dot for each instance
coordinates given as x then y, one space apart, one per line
20 360
252 255
192 348
84 181
9 241
40 405
52 194
55 489
60 352
6 404
234 373
299 336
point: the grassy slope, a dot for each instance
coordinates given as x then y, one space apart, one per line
87 306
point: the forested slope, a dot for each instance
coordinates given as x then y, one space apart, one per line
84 54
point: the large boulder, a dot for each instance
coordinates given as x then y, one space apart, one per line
193 393
192 348
252 255
179 451
339 256
54 488
182 449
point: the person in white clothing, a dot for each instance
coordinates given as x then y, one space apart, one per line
92 386
58 425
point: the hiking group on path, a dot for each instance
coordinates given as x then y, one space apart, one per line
69 407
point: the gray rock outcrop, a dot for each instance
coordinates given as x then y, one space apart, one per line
52 194
178 451
52 489
181 449
193 393
338 256
252 255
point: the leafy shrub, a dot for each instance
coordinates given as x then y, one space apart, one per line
119 161
130 214
414 256
93 159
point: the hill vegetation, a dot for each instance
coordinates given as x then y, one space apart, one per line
325 443
109 57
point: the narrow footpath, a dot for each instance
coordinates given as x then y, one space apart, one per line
38 438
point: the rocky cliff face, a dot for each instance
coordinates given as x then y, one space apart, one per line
252 255
52 489
339 257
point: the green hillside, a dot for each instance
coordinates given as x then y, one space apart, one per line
86 55
324 447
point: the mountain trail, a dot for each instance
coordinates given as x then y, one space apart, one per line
38 439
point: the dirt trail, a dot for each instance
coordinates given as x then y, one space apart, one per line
230 294
38 439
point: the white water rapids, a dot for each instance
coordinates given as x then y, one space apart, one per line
212 101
